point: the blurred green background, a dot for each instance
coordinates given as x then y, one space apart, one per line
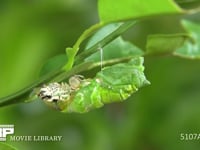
33 31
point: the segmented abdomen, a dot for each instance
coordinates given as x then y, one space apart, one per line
96 94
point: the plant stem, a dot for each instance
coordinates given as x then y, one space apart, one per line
59 75
71 52
23 94
87 66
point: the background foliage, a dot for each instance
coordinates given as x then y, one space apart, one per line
153 118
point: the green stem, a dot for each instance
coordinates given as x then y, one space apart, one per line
88 66
24 94
71 52
59 75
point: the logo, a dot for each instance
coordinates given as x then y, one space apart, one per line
6 130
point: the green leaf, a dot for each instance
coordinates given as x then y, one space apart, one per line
116 49
191 48
112 10
163 44
188 4
185 45
53 64
102 33
103 37
4 146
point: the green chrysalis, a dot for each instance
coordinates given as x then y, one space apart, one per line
112 84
